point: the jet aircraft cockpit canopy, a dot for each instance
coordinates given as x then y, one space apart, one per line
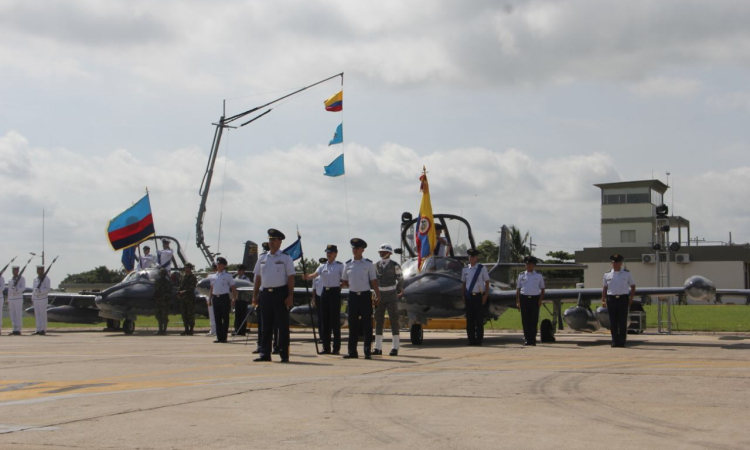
456 232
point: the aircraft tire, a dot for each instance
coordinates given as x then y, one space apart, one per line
547 331
128 326
416 334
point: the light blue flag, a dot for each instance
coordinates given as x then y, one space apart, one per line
336 168
338 136
294 250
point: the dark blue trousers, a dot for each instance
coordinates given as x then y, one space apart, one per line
474 319
529 316
274 316
360 315
330 306
618 318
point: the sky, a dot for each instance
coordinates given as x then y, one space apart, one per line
515 108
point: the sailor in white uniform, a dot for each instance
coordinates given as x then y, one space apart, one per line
148 260
16 286
529 298
360 276
165 255
39 298
617 295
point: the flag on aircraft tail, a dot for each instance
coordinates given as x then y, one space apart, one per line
425 232
335 102
128 258
294 250
338 136
336 168
131 227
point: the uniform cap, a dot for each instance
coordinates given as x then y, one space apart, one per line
472 252
146 247
439 226
358 243
323 260
386 248
15 267
530 260
616 258
40 267
330 248
221 260
265 246
165 241
273 233
189 266
241 267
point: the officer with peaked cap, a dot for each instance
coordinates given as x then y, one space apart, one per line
41 287
617 296
329 275
210 303
475 285
274 292
360 275
224 292
164 256
16 286
529 297
441 245
391 285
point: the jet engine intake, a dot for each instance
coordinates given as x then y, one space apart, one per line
700 288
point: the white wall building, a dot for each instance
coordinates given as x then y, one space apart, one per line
629 227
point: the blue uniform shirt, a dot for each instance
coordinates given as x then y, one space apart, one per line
330 274
359 273
274 269
530 283
618 283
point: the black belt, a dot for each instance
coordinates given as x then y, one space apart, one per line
530 296
475 294
272 288
329 288
617 296
359 293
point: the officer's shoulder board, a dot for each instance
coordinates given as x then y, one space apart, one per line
626 270
348 261
368 260
339 262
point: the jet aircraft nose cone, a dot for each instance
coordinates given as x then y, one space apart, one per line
700 288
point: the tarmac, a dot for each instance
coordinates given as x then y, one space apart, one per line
101 390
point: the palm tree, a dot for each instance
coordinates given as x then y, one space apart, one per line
518 248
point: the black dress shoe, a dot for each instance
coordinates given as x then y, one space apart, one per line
217 341
377 352
350 356
284 360
368 357
275 352
262 359
394 352
44 333
256 351
335 352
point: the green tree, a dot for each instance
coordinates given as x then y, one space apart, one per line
560 256
311 265
518 248
98 275
488 251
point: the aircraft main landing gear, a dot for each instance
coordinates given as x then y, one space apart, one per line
416 334
547 331
128 326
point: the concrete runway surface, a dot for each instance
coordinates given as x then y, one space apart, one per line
95 390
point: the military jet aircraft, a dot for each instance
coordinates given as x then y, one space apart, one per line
434 291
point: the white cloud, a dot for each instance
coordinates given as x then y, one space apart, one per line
666 86
733 101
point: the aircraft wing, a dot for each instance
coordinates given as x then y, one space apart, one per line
63 298
300 294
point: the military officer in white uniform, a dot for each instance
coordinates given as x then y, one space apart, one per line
360 275
41 288
148 260
529 297
223 292
329 276
16 286
617 296
441 245
165 255
475 285
274 291
210 303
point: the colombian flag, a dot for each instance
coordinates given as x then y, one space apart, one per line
131 227
425 232
335 102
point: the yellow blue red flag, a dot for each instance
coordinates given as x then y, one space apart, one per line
335 102
425 232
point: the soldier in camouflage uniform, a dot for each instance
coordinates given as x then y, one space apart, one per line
186 297
391 282
162 297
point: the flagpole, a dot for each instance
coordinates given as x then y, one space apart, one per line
307 290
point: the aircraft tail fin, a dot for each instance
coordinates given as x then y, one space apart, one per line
501 271
250 256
